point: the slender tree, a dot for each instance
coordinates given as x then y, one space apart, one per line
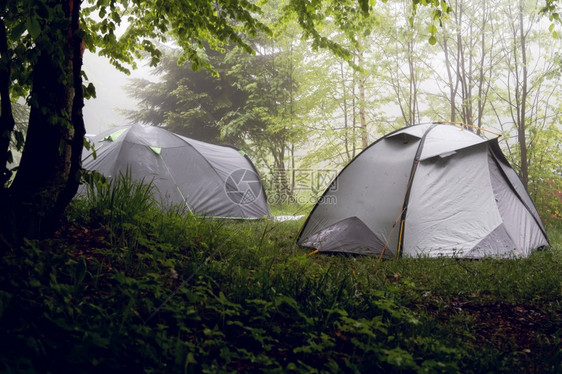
470 55
406 73
526 90
268 120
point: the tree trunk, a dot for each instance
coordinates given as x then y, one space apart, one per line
362 118
521 136
352 112
77 117
7 122
413 108
282 185
346 138
481 79
452 87
48 175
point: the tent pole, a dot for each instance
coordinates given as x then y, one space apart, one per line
409 188
400 239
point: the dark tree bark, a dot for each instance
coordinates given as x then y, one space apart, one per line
7 122
77 118
48 175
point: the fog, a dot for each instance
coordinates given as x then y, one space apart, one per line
103 112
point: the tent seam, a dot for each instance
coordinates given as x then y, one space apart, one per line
207 161
175 183
409 188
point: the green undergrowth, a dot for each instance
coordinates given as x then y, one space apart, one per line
125 287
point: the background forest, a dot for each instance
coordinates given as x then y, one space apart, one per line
302 114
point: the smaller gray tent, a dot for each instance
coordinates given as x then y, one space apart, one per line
210 180
427 190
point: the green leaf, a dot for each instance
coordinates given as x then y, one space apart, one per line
89 91
80 271
432 40
437 14
364 5
33 26
18 30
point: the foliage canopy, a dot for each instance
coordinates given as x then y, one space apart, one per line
41 46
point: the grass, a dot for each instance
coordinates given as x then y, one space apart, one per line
125 287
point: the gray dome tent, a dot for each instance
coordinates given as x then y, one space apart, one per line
427 190
211 180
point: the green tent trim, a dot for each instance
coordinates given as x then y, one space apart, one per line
115 135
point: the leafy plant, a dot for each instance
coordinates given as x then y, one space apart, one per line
135 288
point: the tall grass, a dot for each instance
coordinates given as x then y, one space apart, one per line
129 287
